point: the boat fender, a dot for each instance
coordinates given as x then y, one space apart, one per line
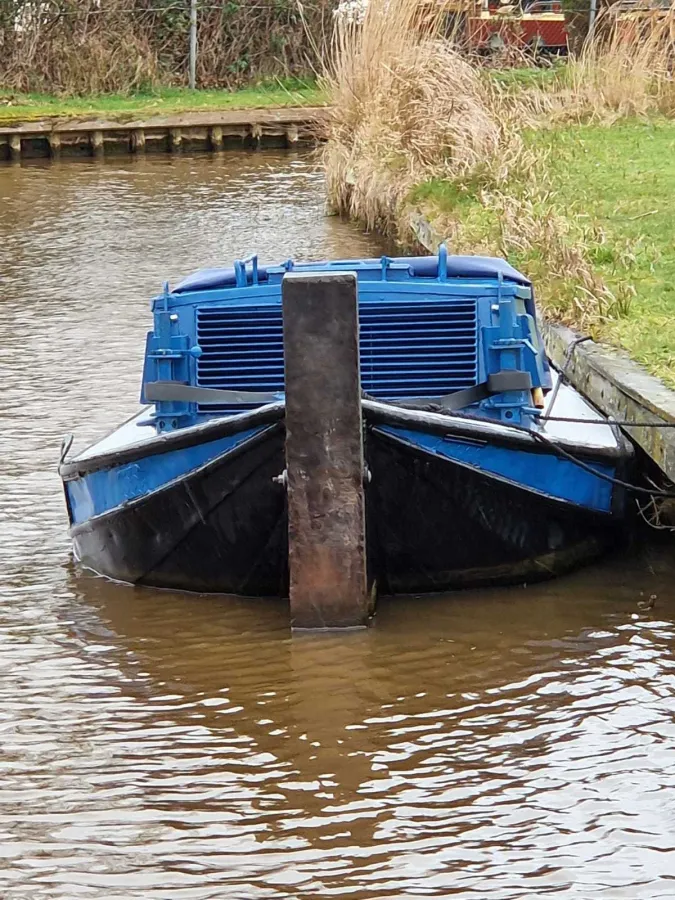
538 398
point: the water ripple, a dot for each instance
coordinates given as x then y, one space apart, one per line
515 743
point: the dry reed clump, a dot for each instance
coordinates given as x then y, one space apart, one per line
405 107
627 68
408 110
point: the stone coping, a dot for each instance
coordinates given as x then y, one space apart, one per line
620 388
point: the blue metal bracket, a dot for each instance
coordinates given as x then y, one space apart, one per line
240 273
443 263
509 348
168 358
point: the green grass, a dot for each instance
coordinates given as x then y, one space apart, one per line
520 77
612 188
623 179
292 92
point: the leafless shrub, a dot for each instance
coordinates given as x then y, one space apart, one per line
92 46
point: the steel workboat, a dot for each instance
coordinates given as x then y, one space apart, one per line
472 476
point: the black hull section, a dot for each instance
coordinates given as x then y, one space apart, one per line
435 525
222 529
432 525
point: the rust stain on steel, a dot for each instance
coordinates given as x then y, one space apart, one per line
324 452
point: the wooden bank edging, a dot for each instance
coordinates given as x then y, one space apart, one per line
210 130
608 377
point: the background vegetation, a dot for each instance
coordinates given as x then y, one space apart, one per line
122 46
565 172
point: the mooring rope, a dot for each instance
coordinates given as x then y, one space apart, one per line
608 421
651 492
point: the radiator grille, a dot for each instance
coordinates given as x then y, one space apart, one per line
423 348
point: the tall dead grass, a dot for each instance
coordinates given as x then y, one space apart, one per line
627 68
407 109
405 106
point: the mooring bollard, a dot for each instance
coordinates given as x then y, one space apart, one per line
324 451
137 141
96 143
15 147
54 142
216 138
175 140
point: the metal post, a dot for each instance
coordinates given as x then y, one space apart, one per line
193 44
324 451
591 18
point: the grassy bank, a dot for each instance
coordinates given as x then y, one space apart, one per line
19 106
565 172
600 200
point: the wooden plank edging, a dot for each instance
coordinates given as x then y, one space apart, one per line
291 115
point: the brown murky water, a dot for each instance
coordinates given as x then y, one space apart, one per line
507 744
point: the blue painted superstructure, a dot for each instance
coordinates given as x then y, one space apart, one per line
429 326
482 465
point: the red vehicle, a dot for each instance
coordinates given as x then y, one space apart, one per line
539 27
489 26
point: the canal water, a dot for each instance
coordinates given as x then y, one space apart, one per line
497 744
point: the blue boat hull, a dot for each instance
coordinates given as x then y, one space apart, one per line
445 508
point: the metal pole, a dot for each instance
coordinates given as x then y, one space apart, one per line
193 44
591 17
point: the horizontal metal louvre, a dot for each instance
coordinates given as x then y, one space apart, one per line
411 348
423 348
